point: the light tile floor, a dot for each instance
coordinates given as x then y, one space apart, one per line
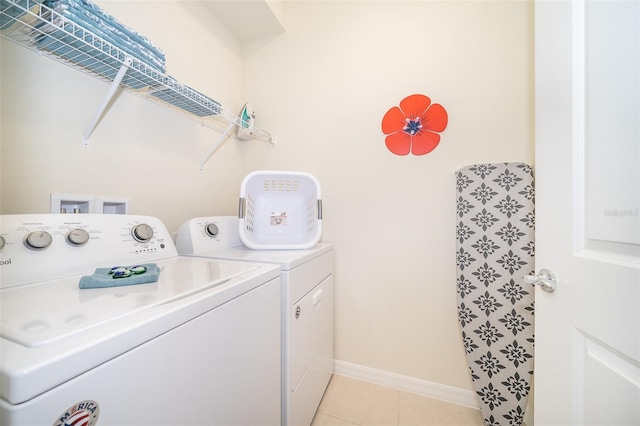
350 402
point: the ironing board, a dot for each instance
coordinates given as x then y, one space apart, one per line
494 250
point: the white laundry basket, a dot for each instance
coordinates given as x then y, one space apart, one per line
280 210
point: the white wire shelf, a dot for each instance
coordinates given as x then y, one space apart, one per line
37 27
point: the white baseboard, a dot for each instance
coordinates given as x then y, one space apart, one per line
433 390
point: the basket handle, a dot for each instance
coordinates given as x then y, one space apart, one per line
241 209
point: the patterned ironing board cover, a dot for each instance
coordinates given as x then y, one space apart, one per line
495 249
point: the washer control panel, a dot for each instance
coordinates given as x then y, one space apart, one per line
42 247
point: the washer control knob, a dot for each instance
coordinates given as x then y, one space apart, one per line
77 237
211 229
38 240
2 241
142 233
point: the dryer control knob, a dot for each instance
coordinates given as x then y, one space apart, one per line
142 233
77 237
38 240
211 229
2 241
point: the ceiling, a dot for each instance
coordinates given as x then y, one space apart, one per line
249 20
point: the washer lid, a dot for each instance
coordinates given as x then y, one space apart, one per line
43 313
78 329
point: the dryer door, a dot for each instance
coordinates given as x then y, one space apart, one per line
311 322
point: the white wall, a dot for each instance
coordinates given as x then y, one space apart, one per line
322 88
138 150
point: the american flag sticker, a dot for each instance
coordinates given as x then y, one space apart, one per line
84 413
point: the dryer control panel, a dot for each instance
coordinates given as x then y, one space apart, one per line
205 234
42 247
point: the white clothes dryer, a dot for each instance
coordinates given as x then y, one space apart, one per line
198 346
307 307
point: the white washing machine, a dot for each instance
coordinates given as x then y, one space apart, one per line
200 345
307 307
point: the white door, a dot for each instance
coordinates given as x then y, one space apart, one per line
587 357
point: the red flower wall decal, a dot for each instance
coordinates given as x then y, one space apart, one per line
414 127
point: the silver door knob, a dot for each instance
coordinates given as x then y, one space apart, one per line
545 279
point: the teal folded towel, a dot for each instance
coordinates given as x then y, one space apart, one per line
104 277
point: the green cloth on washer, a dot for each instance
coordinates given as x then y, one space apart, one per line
102 278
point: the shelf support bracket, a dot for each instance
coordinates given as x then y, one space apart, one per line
217 144
105 103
